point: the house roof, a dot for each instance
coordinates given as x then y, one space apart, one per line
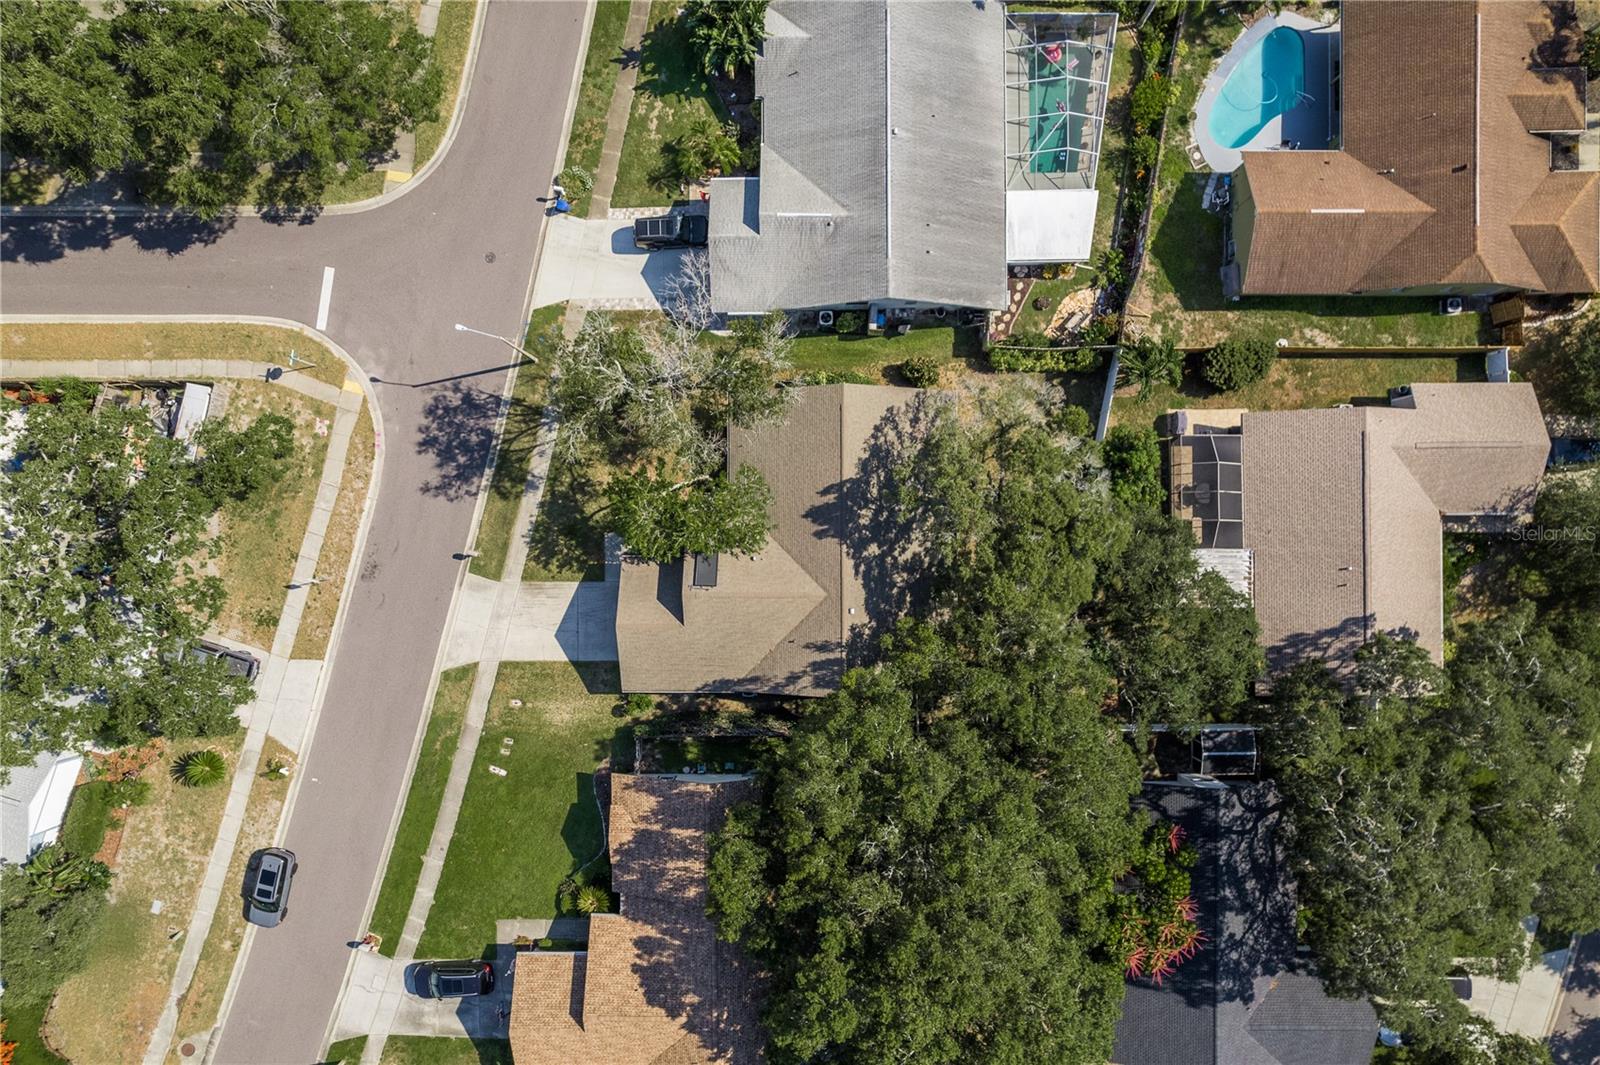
882 161
1247 997
655 986
21 798
1442 154
1343 508
781 621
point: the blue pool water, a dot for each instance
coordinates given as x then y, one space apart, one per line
1268 81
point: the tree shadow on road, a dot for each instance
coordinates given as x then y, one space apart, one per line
35 239
458 434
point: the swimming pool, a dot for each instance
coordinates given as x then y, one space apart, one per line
1268 81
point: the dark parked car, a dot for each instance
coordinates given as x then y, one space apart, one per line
671 231
239 663
266 886
455 979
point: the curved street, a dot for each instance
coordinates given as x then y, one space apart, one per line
459 246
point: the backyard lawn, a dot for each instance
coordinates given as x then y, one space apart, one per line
521 834
422 806
105 1012
671 94
517 442
260 536
1296 382
1180 288
201 1002
601 64
873 355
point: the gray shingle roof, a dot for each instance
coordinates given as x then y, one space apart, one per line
882 162
1246 998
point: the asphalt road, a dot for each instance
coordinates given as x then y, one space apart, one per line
1576 1039
458 247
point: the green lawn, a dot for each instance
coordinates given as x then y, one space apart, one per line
521 834
422 806
1180 288
88 817
431 1050
346 1051
671 94
600 67
516 445
872 355
23 1023
1296 383
567 542
1052 292
451 40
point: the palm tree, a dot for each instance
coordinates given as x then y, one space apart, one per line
201 769
728 33
1150 361
592 898
705 146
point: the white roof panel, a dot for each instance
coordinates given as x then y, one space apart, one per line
1050 225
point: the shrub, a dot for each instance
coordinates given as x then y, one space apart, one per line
1028 338
1111 269
1143 151
1149 101
1133 460
1100 330
726 33
201 769
1237 362
705 146
921 371
1046 360
850 322
1591 51
640 703
1072 420
1151 47
576 180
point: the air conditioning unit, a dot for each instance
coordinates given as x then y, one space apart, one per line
824 318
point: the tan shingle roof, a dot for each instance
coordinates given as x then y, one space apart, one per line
1452 134
1342 510
778 622
656 986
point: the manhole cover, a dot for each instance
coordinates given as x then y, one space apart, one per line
488 257
187 1050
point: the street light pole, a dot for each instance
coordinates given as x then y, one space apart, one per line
518 348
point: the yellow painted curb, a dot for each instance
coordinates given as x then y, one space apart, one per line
397 175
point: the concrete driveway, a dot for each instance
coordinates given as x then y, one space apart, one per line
482 1017
593 260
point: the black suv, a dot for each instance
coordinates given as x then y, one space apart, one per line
454 979
671 231
266 886
239 663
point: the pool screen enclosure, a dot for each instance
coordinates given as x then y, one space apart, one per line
1058 71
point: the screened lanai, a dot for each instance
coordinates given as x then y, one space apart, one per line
1058 68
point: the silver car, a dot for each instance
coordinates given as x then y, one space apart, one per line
266 886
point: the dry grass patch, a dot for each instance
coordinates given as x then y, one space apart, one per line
198 1008
105 1013
322 601
260 537
166 340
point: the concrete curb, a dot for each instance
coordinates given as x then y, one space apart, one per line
356 207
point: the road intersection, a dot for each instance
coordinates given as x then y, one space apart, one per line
459 246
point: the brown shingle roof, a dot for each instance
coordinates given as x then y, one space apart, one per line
780 621
656 986
1342 510
1451 133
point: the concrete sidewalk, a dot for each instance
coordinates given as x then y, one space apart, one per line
1528 1005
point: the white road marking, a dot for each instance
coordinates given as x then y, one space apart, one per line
327 294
